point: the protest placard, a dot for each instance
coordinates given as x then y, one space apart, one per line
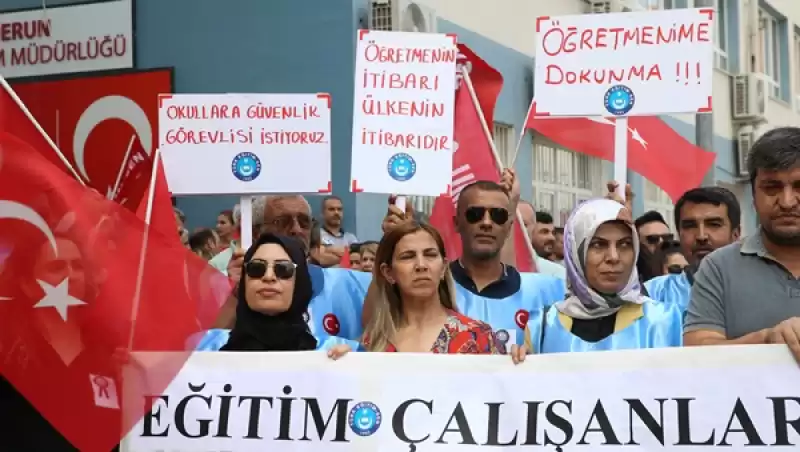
403 113
643 63
246 143
676 399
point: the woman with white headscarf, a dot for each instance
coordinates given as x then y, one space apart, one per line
606 309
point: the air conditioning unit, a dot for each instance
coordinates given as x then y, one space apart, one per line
612 6
401 15
749 97
745 137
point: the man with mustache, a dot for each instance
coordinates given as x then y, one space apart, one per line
707 218
749 292
335 240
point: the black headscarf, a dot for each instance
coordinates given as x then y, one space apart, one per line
287 331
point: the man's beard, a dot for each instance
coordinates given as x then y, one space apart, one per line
781 239
484 255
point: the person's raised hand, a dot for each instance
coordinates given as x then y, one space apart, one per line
395 216
510 185
235 266
613 194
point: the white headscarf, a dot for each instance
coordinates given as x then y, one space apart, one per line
584 302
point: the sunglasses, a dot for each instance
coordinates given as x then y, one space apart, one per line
655 239
475 214
257 268
675 269
285 222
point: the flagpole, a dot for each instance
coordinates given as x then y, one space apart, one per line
521 136
142 255
122 167
488 134
39 128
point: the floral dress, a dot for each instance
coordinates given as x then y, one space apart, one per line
462 335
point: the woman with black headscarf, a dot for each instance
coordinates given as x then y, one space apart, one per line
273 297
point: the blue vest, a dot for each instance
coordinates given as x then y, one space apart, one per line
517 318
338 299
674 289
660 325
213 340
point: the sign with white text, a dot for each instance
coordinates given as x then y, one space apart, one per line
59 39
678 399
403 113
643 63
246 143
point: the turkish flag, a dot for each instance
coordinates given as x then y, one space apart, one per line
162 215
98 120
655 150
473 159
81 294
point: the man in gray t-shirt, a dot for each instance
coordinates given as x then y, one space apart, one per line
749 292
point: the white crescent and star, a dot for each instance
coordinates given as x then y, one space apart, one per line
55 296
634 132
110 107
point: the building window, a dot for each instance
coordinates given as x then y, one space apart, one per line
769 35
721 35
656 199
562 179
504 143
796 72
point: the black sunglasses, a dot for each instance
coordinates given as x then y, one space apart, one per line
257 268
675 269
655 239
475 214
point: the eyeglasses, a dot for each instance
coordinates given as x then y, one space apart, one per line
655 239
675 269
285 222
475 214
257 268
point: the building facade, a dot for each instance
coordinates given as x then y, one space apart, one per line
286 46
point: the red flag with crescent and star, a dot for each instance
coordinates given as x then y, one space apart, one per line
106 125
655 150
90 286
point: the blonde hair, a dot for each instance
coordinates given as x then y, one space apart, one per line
383 308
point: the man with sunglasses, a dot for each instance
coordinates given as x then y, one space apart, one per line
652 230
335 308
707 218
488 289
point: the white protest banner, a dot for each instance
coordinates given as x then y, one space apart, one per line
403 113
246 143
643 63
690 399
70 38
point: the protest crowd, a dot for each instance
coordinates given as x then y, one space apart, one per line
484 274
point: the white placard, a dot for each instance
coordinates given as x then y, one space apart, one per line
60 39
403 113
732 398
643 63
246 143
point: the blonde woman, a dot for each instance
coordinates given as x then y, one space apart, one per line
414 307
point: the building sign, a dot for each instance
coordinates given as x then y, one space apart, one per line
57 40
637 64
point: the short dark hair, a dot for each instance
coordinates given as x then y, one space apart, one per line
649 217
778 149
483 185
558 230
200 238
355 248
543 217
329 198
716 196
